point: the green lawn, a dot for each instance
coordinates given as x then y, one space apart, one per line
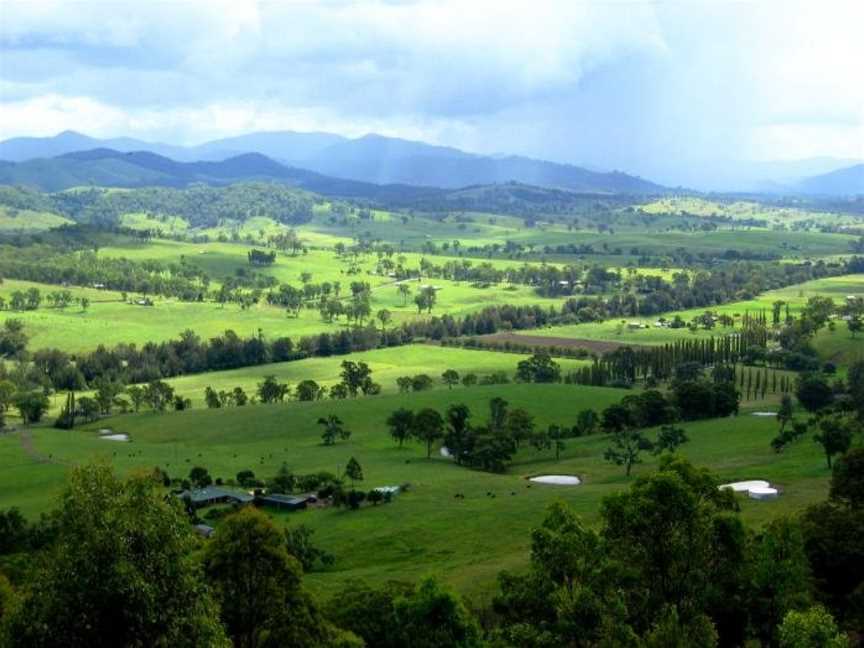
425 530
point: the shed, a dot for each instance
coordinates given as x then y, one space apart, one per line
214 495
283 502
203 530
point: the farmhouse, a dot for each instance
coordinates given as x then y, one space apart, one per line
214 495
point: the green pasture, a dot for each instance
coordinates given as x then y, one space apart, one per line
23 220
741 210
426 530
618 330
387 365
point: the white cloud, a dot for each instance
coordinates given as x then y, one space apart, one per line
614 83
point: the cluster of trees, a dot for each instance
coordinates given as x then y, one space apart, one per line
48 264
836 409
111 396
487 447
673 565
202 206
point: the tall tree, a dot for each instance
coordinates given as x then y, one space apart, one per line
428 428
259 585
120 572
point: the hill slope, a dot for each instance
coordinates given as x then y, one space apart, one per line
842 182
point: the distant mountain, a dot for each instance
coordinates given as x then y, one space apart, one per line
20 149
104 167
385 160
370 159
842 182
280 145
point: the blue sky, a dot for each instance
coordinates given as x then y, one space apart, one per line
651 87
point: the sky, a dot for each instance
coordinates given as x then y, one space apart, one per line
666 89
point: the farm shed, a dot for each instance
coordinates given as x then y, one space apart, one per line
283 502
214 495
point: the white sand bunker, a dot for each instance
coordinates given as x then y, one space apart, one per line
764 413
558 480
115 437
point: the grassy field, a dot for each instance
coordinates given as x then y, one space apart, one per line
835 344
25 220
743 210
387 365
425 530
110 321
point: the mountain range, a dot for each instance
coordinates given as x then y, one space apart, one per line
372 159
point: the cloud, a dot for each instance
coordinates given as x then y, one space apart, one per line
640 86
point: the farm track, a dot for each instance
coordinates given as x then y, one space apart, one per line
31 451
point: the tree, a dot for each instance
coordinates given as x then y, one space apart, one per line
259 584
673 535
555 434
120 572
780 577
308 390
333 429
519 425
401 423
158 394
587 423
669 439
211 398
199 477
459 437
784 414
298 541
284 481
271 390
136 395
450 377
404 291
811 628
813 392
421 382
87 408
246 478
432 617
355 375
428 427
538 368
498 415
855 324
469 380
847 481
835 435
31 405
353 471
626 447
384 316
